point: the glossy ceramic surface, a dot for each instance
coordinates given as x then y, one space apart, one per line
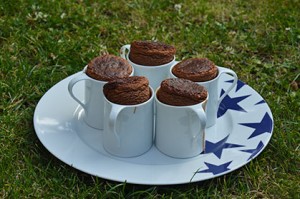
243 129
128 129
180 130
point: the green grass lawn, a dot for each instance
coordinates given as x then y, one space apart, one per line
43 42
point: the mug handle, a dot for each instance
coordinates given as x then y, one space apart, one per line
202 120
82 76
123 50
115 111
228 71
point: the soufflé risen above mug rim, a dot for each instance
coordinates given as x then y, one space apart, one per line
108 67
151 53
195 69
181 92
128 91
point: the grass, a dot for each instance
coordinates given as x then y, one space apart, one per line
43 42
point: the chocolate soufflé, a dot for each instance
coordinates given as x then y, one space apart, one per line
181 92
150 53
108 67
196 69
128 90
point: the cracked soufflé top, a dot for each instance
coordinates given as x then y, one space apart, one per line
108 67
128 91
181 92
151 53
196 69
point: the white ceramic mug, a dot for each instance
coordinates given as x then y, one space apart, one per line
155 74
214 97
128 129
180 130
93 103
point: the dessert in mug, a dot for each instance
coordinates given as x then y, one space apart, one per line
128 91
180 118
98 71
108 67
205 73
196 69
128 116
181 92
151 53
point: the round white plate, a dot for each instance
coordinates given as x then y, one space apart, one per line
243 129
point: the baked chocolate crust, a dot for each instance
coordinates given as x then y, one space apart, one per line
150 53
181 92
128 90
108 67
196 69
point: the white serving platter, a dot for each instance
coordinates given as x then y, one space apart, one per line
244 128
